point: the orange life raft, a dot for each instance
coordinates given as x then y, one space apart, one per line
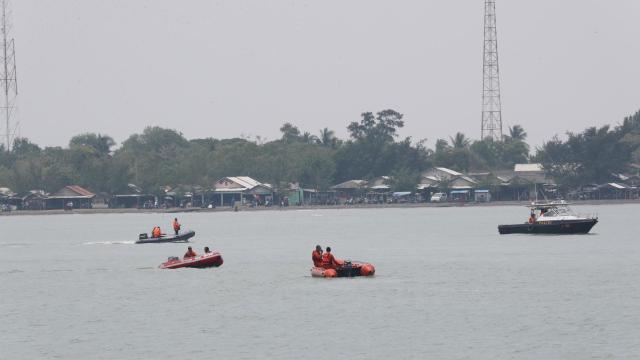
347 269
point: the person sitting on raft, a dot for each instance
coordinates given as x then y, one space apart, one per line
176 225
156 233
316 256
190 253
206 250
328 261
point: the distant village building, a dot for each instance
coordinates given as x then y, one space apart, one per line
531 173
233 189
379 190
350 190
298 195
70 197
615 191
33 200
184 196
459 186
7 199
441 173
134 197
482 195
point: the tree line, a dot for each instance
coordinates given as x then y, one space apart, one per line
159 157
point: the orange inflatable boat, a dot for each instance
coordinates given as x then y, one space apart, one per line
347 269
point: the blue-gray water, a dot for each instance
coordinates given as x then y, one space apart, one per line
447 286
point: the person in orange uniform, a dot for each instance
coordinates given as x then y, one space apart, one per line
190 253
176 225
316 256
328 261
156 233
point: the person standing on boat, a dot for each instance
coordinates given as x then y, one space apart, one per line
532 217
176 225
316 256
190 253
328 261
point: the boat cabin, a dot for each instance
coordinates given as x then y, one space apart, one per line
550 211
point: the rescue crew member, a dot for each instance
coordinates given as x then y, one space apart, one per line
156 233
206 250
316 256
328 261
190 253
532 217
176 225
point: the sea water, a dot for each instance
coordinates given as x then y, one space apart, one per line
447 286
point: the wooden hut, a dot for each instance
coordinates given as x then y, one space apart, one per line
70 197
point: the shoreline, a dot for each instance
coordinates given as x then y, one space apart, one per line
303 207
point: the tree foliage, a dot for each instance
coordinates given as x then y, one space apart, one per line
158 157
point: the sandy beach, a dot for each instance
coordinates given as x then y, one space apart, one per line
303 207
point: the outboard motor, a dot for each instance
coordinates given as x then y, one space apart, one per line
347 269
173 258
142 236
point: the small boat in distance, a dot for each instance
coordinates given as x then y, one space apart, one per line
551 218
182 236
346 269
212 259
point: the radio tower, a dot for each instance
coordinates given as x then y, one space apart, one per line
491 106
8 79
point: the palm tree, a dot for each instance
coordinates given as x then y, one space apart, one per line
517 133
327 138
307 138
459 141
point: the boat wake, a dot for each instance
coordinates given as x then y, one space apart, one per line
14 245
109 243
12 271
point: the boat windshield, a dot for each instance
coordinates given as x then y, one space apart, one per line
553 209
558 211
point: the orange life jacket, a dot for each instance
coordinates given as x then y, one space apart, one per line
176 225
190 254
328 261
317 258
156 232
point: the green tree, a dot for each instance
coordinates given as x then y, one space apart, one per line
460 141
290 132
328 138
24 147
100 144
517 133
404 179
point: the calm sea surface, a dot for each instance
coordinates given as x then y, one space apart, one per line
447 286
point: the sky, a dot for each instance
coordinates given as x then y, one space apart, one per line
232 68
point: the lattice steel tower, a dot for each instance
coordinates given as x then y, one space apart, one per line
491 106
8 78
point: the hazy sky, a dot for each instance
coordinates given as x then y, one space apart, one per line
244 67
